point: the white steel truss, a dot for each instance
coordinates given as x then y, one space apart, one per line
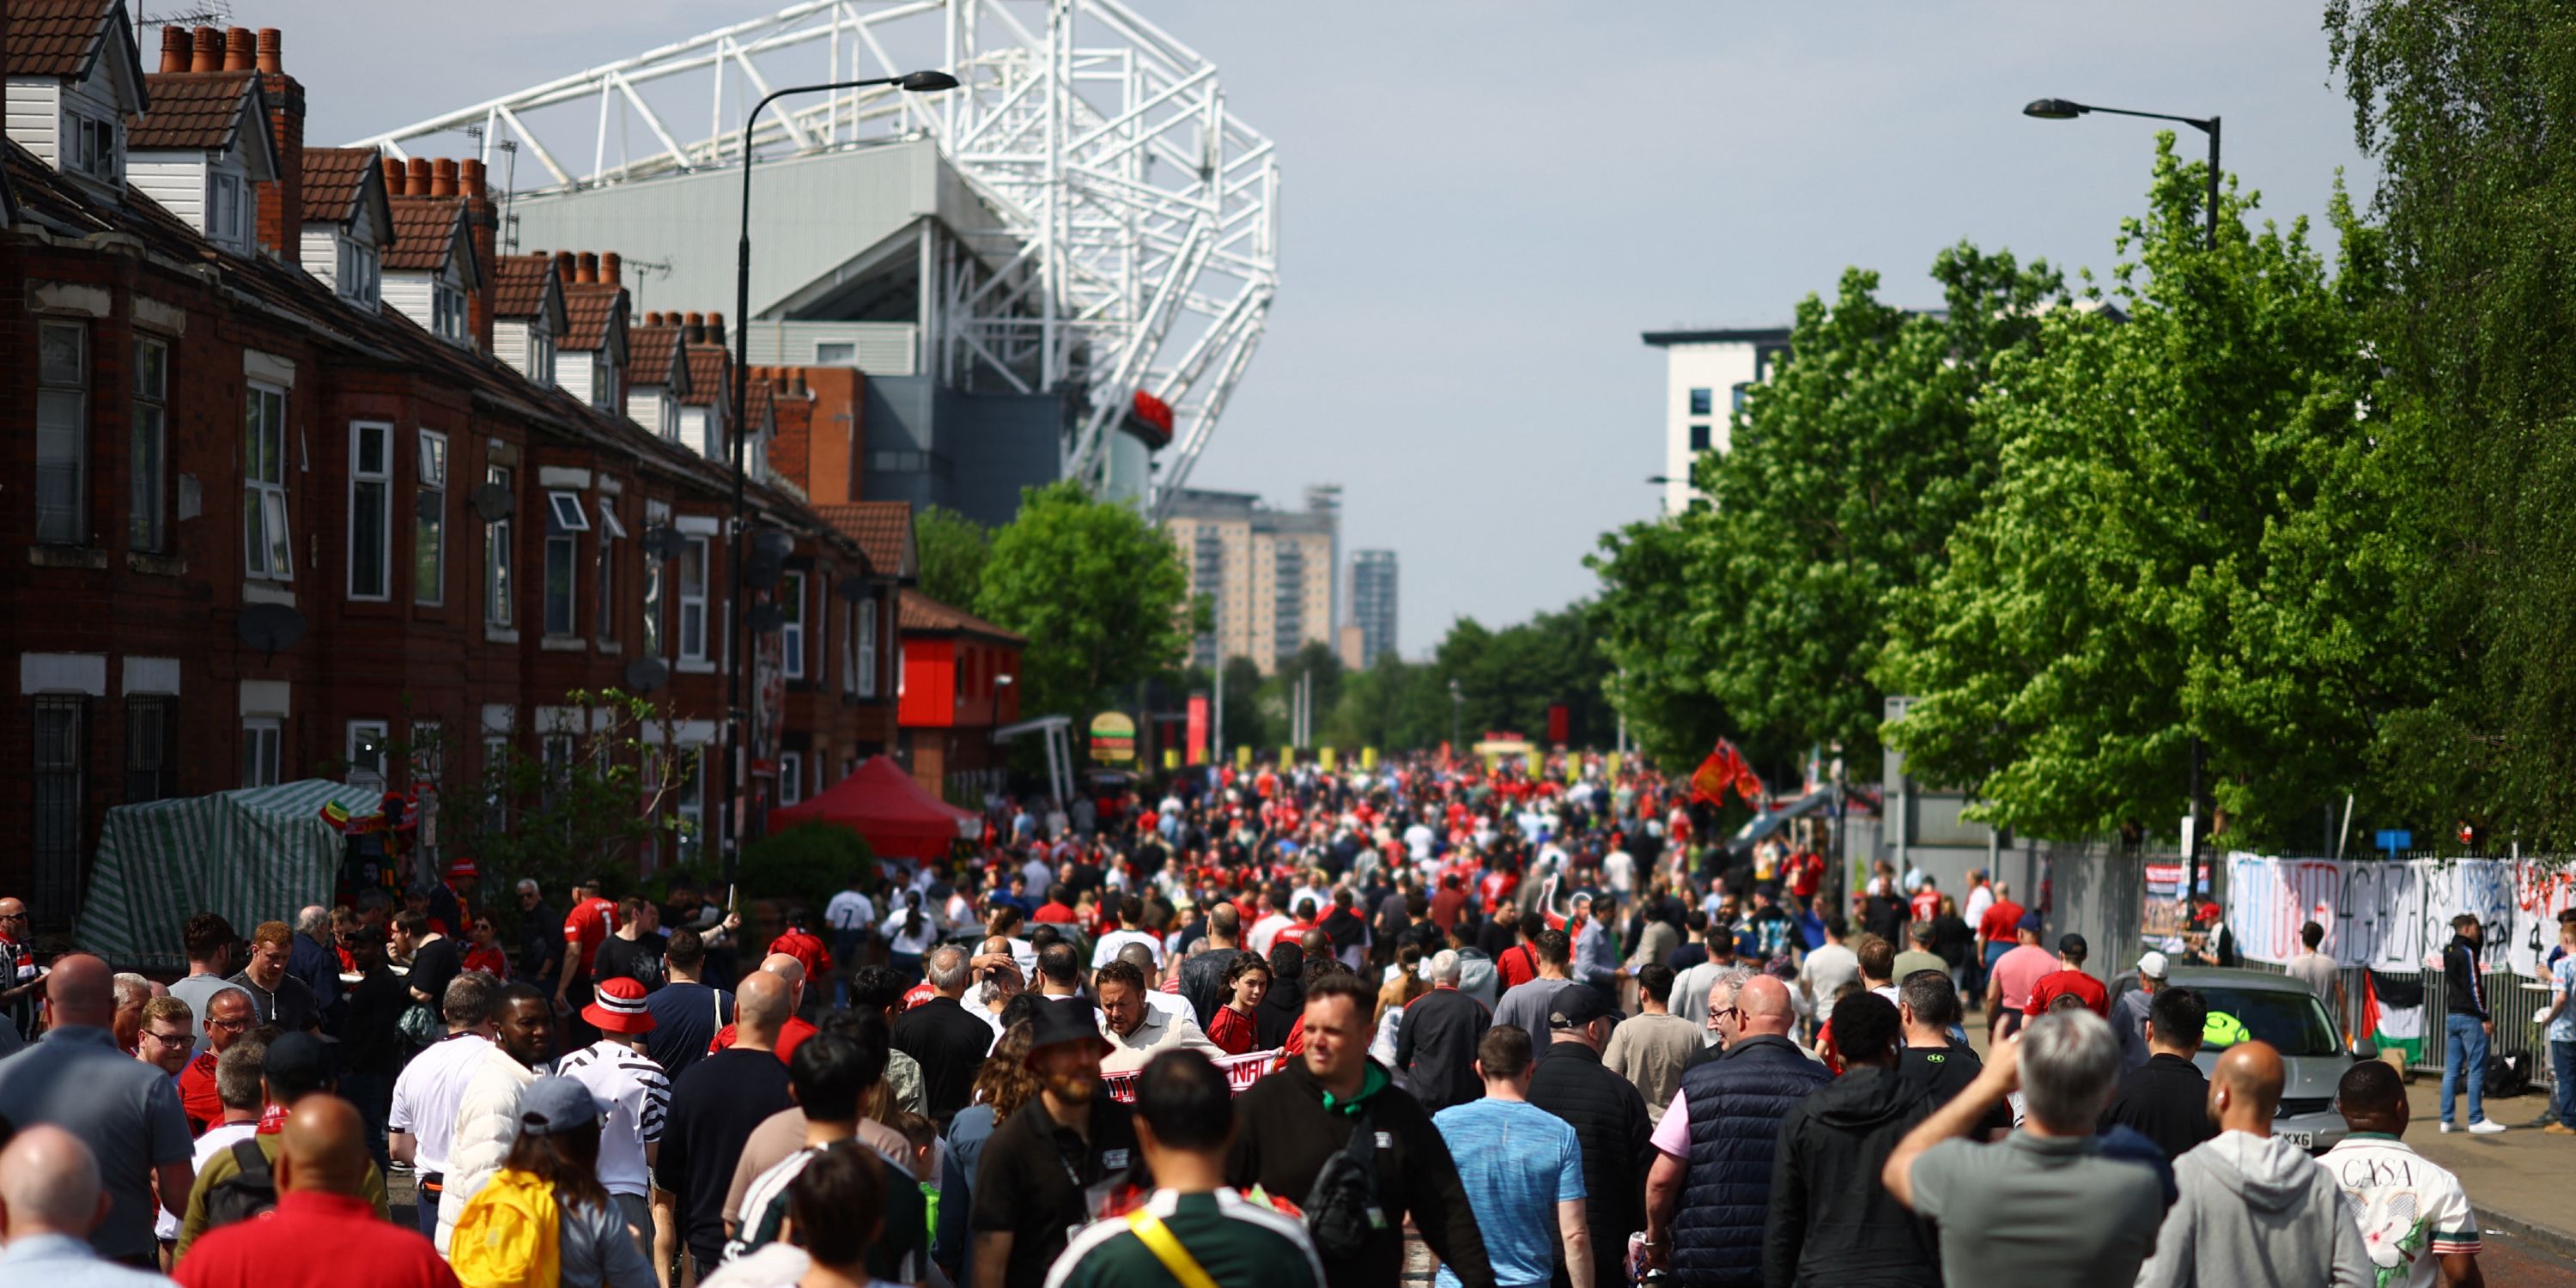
1142 214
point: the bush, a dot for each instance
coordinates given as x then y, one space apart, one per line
806 864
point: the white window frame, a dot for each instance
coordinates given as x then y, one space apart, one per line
427 755
849 647
603 379
94 148
228 215
565 546
264 510
62 436
867 655
655 640
360 271
791 777
791 623
604 592
693 603
563 511
378 483
499 584
429 519
147 528
689 800
447 311
541 350
360 734
263 756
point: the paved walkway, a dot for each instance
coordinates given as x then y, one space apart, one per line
2518 1179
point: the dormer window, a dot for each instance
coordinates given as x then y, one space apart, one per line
357 276
447 312
97 148
541 347
603 390
228 216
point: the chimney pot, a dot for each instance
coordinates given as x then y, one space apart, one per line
715 329
564 267
241 50
608 267
393 168
207 52
442 177
469 177
174 50
697 319
416 179
798 384
272 51
588 269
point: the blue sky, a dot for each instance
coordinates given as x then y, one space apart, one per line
1485 203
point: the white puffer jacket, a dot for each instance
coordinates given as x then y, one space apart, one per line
487 1124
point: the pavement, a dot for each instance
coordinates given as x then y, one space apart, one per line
2512 1178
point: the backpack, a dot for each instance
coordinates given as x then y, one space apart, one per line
509 1235
246 1193
1341 1206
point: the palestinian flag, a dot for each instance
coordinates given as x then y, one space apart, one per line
2392 1013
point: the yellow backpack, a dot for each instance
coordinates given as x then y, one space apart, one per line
509 1236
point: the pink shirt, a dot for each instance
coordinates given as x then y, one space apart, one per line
2017 970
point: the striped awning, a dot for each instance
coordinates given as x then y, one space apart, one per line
253 855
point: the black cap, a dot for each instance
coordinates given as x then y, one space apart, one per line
295 1064
1576 1005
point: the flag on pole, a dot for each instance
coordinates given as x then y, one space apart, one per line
1723 769
2392 1013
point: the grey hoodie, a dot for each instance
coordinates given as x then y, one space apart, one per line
2256 1211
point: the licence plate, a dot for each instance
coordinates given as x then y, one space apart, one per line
2302 1139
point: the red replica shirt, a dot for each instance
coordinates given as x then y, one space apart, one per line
588 926
276 1251
1518 965
1806 874
197 1098
807 950
487 959
1926 904
2074 983
1053 913
2000 921
789 1038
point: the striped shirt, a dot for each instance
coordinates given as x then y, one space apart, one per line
895 1253
641 1094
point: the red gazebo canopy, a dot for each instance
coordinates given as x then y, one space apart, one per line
881 802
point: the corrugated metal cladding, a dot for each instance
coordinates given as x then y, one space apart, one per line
877 348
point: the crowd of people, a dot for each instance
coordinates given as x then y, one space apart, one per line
1279 1027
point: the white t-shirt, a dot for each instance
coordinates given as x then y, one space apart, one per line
850 910
217 1140
1620 869
1979 899
1106 951
2411 1213
1418 839
640 1094
429 1092
1266 930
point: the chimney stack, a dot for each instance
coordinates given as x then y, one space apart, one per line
715 329
281 201
564 268
207 50
588 270
241 50
393 168
174 50
483 228
694 329
416 179
442 177
609 265
469 177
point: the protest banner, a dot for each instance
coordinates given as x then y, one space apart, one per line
2395 916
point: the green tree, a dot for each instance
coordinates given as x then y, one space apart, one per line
1659 664
583 805
1245 725
2465 106
953 550
1099 592
2184 540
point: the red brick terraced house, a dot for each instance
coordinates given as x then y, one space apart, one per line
302 472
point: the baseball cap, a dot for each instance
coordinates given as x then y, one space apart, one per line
295 1064
1576 1005
555 1105
2030 921
2151 966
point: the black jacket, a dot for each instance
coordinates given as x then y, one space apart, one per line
1831 1221
2463 992
949 1045
1283 1134
2167 1101
1609 1118
1736 1103
1203 981
1435 1046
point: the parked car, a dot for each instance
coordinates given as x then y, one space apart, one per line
2261 1006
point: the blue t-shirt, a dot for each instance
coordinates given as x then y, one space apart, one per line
1518 1162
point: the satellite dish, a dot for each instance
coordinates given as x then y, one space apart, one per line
663 542
852 587
270 628
645 674
493 502
761 571
765 619
773 543
430 505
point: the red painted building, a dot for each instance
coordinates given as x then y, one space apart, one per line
960 683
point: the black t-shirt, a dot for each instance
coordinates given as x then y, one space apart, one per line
686 1018
371 1039
1031 1180
950 1046
2167 1101
433 966
638 959
714 1108
1947 1071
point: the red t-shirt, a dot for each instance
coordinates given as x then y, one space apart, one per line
1232 1030
1054 913
1518 965
793 1033
276 1251
588 926
2000 921
1926 904
487 959
2097 999
807 950
1445 907
197 1096
1805 873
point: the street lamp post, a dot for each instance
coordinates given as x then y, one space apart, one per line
737 749
2059 109
1457 711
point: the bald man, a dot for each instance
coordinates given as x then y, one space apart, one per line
2255 1209
126 1111
793 1028
1711 1180
322 1164
715 1106
50 1201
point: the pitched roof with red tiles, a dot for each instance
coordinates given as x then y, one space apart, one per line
707 367
650 351
426 231
883 530
519 284
56 38
588 306
922 614
333 177
195 111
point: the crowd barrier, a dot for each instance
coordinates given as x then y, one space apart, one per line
1241 1071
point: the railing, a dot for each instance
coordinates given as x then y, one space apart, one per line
2514 1007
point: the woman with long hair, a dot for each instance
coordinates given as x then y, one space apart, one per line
1233 1026
556 1157
1003 1083
909 933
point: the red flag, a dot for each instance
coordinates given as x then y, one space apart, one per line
1725 768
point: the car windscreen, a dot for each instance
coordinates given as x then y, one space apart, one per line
2292 1022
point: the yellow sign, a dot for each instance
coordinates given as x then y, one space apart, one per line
1368 758
1325 758
1113 738
1287 757
1171 757
1243 757
1612 764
